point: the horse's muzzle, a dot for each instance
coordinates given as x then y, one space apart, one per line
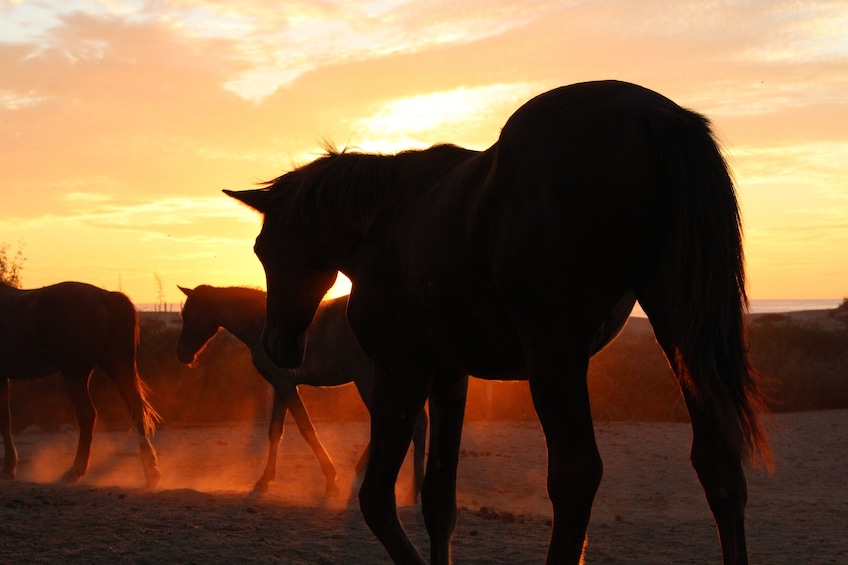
185 356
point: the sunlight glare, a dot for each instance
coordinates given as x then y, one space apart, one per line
340 288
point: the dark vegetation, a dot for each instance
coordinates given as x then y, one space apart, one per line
629 380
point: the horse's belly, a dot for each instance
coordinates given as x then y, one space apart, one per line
489 351
25 366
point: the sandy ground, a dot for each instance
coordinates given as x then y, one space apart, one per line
649 510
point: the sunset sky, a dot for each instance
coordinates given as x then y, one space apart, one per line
122 120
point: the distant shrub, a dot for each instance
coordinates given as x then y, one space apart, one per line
808 363
629 380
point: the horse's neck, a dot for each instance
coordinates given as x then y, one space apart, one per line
243 321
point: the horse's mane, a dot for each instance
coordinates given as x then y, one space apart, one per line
234 291
342 187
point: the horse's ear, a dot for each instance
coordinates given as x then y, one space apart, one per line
186 291
257 199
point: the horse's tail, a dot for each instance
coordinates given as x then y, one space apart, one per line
124 336
705 305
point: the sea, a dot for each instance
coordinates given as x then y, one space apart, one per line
775 305
756 306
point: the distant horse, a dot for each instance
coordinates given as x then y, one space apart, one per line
519 262
71 328
334 358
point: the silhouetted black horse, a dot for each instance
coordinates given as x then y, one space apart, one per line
520 261
334 358
73 327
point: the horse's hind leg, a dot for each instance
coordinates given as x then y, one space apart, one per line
557 373
133 393
438 497
301 417
10 458
721 475
419 447
275 435
719 469
77 387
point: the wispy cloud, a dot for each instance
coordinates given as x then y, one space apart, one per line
424 119
122 119
811 167
103 211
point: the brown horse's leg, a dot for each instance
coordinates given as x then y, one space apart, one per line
721 475
307 430
438 497
132 391
10 458
396 402
719 470
77 386
362 463
419 443
557 374
419 447
275 435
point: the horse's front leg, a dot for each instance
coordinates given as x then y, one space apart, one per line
438 497
275 435
10 457
77 387
396 402
557 374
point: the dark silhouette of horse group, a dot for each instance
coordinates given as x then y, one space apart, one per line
517 262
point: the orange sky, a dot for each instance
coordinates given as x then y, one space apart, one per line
121 121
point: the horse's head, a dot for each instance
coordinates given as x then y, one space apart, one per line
297 277
198 327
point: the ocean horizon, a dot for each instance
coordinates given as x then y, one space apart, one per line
756 306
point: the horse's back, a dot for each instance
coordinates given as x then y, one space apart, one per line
68 326
556 219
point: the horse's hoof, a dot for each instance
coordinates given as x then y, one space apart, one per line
7 475
332 490
153 480
261 486
71 477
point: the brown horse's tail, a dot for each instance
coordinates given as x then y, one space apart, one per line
124 337
704 306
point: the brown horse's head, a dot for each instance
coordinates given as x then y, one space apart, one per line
198 326
296 275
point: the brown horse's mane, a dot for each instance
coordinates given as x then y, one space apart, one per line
342 186
345 187
234 293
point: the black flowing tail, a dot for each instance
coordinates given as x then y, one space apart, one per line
124 345
703 307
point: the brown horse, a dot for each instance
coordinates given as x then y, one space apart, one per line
71 328
520 261
334 359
